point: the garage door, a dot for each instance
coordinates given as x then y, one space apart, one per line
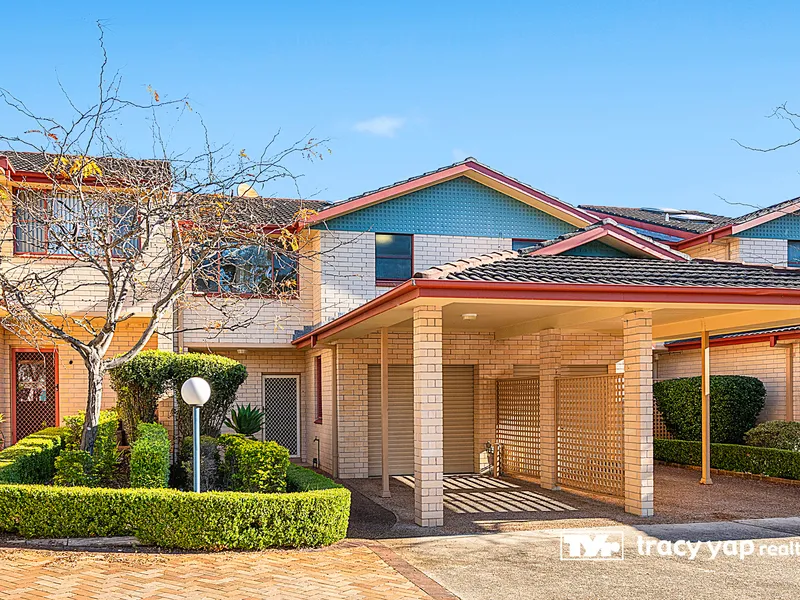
458 437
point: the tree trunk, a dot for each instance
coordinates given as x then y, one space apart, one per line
94 368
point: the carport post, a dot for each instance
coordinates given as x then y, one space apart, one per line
428 417
789 382
705 384
385 493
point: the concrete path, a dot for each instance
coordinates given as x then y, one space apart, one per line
527 564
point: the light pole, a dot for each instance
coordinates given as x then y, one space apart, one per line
195 391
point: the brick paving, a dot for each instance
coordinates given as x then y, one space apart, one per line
350 570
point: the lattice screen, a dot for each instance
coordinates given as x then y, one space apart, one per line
280 412
659 427
518 425
591 454
36 389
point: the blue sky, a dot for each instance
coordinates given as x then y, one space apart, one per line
627 103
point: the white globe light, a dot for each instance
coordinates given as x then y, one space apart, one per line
195 391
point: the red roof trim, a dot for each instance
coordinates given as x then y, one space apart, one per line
643 225
437 177
618 233
449 288
754 338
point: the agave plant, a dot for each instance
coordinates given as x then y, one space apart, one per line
245 420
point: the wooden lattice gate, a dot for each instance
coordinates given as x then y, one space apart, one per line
518 425
591 453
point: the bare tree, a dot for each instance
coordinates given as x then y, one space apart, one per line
101 237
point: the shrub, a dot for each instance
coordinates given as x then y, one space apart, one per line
245 420
731 457
173 519
106 457
224 375
74 467
32 459
209 463
150 457
139 384
253 466
775 434
735 404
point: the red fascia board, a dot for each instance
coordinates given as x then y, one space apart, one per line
704 238
643 225
617 233
576 212
755 338
455 289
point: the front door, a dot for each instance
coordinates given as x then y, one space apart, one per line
282 411
35 391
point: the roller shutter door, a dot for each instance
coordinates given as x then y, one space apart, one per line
458 392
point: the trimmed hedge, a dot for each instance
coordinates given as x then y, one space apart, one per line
173 519
105 458
150 457
31 459
731 457
253 466
735 403
775 434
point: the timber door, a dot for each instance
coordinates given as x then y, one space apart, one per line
34 391
282 411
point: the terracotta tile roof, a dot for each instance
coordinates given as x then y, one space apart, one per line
520 267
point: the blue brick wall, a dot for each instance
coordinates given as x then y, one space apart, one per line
457 207
782 228
596 248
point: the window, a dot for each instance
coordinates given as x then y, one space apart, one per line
393 257
318 390
61 225
248 270
794 253
520 243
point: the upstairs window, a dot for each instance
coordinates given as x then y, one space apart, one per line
394 262
65 225
247 271
794 253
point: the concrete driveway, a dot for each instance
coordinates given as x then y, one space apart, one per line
527 564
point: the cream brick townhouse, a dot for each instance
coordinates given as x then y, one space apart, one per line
769 236
461 308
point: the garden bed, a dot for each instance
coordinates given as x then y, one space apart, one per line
314 511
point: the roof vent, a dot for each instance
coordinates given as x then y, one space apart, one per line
689 217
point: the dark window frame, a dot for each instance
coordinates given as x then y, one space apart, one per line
318 390
385 282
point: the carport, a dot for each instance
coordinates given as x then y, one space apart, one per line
592 432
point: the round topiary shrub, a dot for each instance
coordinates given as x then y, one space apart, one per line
784 435
735 403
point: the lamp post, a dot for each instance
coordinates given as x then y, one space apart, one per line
195 391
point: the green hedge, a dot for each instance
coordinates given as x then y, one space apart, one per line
775 434
731 457
173 519
150 457
106 457
735 403
253 466
31 459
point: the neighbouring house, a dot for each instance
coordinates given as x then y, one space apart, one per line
770 236
463 307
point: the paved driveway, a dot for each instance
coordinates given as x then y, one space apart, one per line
527 564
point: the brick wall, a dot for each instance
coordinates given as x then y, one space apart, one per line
347 278
432 250
763 251
754 360
492 359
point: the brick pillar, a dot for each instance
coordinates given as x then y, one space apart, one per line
428 412
549 367
638 348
